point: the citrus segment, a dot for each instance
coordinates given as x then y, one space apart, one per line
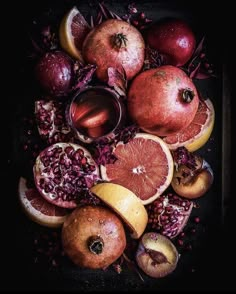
72 32
144 165
198 132
38 209
126 204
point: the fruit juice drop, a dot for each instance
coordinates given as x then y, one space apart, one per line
95 112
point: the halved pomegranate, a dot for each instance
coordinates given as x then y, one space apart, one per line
64 172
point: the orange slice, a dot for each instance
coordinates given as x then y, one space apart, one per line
38 209
72 32
198 132
144 165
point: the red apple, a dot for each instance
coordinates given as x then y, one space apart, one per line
173 39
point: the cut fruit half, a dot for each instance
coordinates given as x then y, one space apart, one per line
198 132
126 204
144 165
38 209
73 30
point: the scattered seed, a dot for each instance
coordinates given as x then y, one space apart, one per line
197 220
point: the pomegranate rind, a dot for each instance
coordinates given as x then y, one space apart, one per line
39 174
36 215
66 36
169 163
126 204
200 139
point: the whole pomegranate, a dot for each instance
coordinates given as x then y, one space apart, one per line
114 43
64 172
54 72
162 101
173 39
93 237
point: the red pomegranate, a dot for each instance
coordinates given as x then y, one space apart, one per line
173 39
162 101
114 43
93 237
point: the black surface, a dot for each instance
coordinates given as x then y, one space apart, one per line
207 258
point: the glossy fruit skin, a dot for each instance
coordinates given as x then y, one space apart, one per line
156 100
98 48
90 221
174 39
54 72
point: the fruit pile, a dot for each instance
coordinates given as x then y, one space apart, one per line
139 177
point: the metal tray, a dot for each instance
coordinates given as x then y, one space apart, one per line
194 267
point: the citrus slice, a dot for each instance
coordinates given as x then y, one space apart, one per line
126 204
38 209
144 165
198 132
72 32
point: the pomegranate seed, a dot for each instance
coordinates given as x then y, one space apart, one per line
142 15
193 231
188 247
135 23
147 20
182 234
84 160
180 242
25 147
197 220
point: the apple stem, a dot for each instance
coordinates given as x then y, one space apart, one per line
95 244
188 95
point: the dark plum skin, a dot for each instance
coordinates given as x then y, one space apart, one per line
54 72
174 39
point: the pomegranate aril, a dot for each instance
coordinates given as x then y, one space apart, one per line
193 231
180 242
69 150
84 160
142 15
197 220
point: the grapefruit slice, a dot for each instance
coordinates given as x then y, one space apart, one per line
144 165
198 132
126 204
72 32
38 209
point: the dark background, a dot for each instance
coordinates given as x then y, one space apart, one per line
214 250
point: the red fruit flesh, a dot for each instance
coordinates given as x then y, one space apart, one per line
162 101
79 29
173 39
